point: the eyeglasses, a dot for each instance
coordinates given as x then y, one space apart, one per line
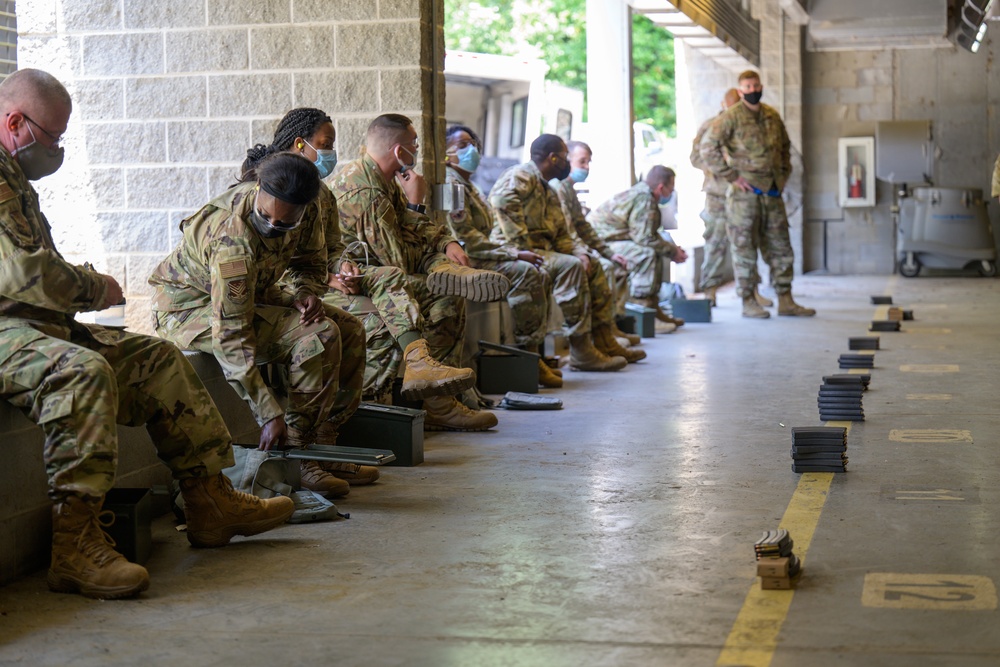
56 138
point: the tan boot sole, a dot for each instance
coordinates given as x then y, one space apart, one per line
424 388
64 583
481 287
798 312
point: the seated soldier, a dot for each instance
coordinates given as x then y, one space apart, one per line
218 292
615 266
630 223
529 285
528 216
78 381
310 133
384 223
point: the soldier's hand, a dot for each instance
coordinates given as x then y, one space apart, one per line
414 186
585 260
680 255
532 258
273 435
311 309
456 254
620 260
743 184
114 295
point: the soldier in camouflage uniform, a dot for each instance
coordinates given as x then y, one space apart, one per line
995 188
614 265
630 223
529 292
749 147
384 223
714 213
528 216
78 381
218 292
379 295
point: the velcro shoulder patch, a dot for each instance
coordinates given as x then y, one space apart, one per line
233 269
6 192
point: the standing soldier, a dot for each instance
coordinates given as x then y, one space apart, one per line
995 187
529 285
78 381
630 223
218 292
753 138
528 216
383 221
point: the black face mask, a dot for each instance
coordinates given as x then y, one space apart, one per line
564 171
754 97
263 227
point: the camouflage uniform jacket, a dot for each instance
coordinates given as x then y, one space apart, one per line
573 211
329 217
756 144
528 212
473 225
38 288
634 216
374 212
713 185
995 188
222 262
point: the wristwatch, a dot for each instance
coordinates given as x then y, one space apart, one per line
419 208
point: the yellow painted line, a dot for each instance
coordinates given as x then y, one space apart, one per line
754 636
928 397
881 313
930 435
929 368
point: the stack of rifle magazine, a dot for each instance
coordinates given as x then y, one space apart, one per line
819 449
857 361
840 398
777 566
863 343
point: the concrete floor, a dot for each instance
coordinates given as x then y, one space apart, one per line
620 530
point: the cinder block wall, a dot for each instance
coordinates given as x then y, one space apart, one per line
170 93
847 92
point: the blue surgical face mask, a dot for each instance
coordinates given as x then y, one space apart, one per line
326 160
579 175
468 158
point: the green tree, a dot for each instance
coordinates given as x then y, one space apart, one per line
556 32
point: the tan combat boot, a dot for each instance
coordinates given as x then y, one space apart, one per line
787 306
753 309
451 279
351 473
583 356
710 295
354 474
83 557
547 377
311 474
761 299
633 339
654 303
606 343
425 376
214 511
446 413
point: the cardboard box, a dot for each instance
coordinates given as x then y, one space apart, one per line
398 429
503 368
772 567
775 583
692 310
132 530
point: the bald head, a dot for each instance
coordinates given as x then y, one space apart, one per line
731 97
28 90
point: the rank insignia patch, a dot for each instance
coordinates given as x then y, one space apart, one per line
237 291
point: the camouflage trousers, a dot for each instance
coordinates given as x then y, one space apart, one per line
324 379
584 298
77 389
528 299
617 283
716 241
758 222
441 320
645 267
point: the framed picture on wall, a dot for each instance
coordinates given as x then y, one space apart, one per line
856 159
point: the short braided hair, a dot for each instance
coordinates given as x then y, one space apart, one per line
302 122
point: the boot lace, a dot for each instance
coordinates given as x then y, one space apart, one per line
94 542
